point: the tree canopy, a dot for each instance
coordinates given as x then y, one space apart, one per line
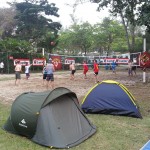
31 21
7 22
128 10
144 18
105 37
34 21
34 27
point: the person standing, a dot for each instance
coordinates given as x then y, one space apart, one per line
130 68
85 69
2 67
44 72
134 69
96 70
106 66
50 74
18 70
73 70
113 66
27 70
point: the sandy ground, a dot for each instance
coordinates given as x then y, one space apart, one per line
8 90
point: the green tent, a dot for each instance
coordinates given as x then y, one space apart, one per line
51 118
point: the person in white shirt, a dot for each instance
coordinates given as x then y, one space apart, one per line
27 70
2 67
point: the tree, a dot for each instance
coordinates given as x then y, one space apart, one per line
144 18
65 42
34 22
14 45
106 34
83 36
78 38
127 10
7 22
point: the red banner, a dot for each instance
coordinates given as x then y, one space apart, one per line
145 60
11 57
56 60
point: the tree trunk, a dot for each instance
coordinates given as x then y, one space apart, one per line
133 38
126 31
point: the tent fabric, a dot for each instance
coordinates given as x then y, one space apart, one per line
146 146
61 130
110 97
52 118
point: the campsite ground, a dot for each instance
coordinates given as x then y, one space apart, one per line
141 92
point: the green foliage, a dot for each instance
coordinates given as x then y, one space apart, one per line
12 44
48 41
128 11
109 35
78 38
7 22
83 36
65 41
144 18
34 23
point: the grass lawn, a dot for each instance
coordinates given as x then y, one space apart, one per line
113 133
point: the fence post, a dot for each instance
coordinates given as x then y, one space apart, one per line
43 52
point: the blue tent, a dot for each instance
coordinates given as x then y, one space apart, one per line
110 97
146 146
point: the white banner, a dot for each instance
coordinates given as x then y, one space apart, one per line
23 62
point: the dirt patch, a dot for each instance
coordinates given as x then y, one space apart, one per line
8 91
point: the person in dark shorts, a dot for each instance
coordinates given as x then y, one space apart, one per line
130 68
113 66
96 70
44 72
85 69
50 74
73 70
134 69
18 70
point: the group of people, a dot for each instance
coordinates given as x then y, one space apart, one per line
48 70
111 66
85 70
131 68
18 70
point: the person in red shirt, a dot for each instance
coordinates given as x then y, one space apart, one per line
96 70
85 69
